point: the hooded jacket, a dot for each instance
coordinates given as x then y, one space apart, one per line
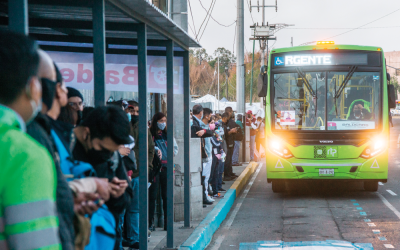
27 184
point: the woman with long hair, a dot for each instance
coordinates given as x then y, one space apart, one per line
158 130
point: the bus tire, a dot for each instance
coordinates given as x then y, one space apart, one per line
371 186
278 186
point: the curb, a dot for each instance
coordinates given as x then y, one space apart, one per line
202 235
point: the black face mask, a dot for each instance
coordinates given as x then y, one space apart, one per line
135 119
48 92
98 156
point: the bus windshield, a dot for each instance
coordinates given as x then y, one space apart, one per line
326 100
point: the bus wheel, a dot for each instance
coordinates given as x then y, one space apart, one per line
278 186
371 186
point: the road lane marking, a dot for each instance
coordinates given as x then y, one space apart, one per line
397 213
231 218
388 245
391 192
380 183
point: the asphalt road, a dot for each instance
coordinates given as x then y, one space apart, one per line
316 212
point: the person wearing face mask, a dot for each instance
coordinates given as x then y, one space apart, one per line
85 190
207 161
359 111
96 141
198 131
158 131
132 212
27 173
75 100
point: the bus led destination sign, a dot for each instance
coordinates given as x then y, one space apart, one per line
320 59
303 60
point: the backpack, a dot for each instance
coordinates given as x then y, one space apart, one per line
102 231
71 168
239 134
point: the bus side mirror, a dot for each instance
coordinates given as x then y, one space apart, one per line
392 96
388 77
262 85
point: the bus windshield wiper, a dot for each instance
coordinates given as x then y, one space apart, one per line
302 76
345 81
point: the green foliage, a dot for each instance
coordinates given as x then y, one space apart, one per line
226 58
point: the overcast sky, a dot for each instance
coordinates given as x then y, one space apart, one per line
313 19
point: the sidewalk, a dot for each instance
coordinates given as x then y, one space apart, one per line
158 238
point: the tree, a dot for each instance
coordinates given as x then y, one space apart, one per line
226 58
395 82
201 55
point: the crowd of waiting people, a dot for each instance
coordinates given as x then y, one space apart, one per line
69 177
221 138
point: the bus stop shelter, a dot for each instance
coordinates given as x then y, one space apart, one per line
125 27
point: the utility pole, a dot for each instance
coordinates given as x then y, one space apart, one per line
218 84
226 81
240 89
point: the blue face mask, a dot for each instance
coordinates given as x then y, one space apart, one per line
129 116
161 125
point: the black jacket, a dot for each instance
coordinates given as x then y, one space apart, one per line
109 171
39 129
209 133
229 138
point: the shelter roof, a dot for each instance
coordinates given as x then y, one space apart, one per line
71 21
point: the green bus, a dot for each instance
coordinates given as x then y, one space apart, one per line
327 114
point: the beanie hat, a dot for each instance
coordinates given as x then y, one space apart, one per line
72 92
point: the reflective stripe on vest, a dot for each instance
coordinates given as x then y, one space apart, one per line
35 239
29 211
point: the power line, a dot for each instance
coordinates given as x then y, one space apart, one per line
355 28
387 27
208 20
251 15
214 18
191 14
212 2
234 39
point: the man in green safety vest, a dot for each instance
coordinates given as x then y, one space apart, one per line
28 217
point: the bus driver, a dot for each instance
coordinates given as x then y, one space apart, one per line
359 113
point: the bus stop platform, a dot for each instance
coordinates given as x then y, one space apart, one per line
199 235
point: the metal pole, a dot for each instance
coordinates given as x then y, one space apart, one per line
99 52
143 135
252 69
170 142
262 52
186 142
218 83
169 9
18 16
240 89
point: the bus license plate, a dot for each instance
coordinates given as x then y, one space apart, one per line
326 172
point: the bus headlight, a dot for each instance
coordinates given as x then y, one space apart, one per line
377 146
277 148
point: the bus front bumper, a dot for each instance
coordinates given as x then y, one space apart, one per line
344 169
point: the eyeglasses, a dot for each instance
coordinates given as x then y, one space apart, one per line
76 105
